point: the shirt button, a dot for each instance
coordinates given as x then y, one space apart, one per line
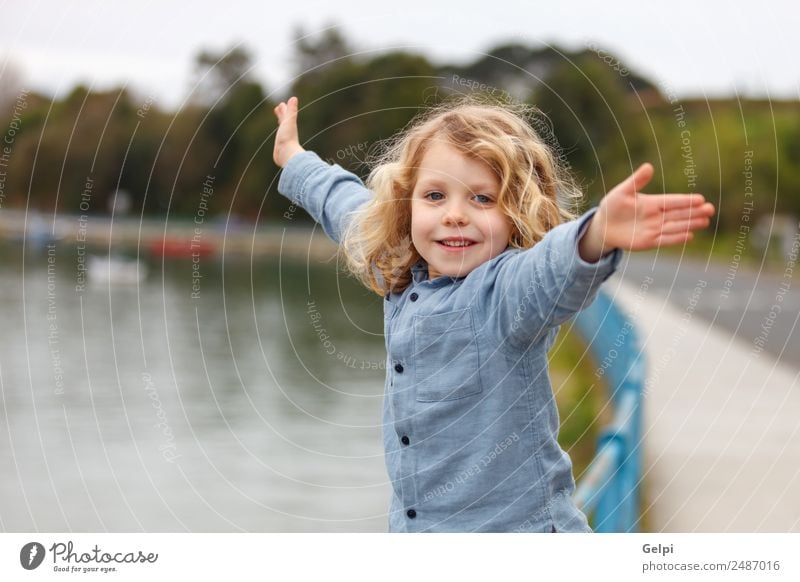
398 368
405 440
411 513
413 297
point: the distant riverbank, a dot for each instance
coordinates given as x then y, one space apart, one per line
130 234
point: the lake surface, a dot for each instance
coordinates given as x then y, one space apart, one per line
252 405
230 394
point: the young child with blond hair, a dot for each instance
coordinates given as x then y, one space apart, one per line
464 227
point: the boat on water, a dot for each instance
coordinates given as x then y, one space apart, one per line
109 270
181 247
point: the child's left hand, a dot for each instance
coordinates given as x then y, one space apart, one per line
630 220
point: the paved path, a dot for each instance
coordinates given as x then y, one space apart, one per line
741 300
721 423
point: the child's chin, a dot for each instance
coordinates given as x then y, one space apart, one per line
454 273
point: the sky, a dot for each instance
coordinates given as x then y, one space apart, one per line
695 48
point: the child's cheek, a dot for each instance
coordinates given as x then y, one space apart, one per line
421 224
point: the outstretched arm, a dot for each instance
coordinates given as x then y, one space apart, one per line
329 193
631 220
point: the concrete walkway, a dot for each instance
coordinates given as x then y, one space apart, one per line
721 424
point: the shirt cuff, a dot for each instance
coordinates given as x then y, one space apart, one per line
295 173
606 265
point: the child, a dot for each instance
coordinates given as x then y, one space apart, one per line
464 230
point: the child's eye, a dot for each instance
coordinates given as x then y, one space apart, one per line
483 198
432 195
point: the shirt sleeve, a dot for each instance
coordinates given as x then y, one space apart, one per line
541 287
329 193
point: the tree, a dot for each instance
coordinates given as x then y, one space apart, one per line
10 85
216 74
330 47
595 120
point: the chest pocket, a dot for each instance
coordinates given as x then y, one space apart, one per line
447 363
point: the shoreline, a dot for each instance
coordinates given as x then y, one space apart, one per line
128 233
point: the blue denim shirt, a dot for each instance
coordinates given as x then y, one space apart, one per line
470 424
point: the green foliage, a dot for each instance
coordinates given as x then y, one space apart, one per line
581 399
218 73
605 118
596 119
349 105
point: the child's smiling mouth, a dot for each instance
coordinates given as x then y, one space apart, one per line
455 244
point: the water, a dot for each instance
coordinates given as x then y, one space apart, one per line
140 408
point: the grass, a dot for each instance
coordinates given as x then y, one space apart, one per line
583 406
581 398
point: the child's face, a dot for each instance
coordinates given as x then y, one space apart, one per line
455 197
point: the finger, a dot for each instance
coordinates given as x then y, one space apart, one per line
279 110
637 180
292 107
286 111
684 226
706 209
667 202
293 102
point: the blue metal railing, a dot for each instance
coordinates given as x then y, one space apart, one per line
609 489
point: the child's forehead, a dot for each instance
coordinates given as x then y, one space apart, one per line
444 164
438 154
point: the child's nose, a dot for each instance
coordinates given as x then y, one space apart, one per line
455 214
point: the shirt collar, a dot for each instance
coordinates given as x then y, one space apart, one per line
419 274
419 271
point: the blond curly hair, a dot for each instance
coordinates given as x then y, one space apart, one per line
536 192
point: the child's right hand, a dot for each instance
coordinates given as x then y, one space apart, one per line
631 220
287 144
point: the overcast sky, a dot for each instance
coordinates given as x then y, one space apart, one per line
697 47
